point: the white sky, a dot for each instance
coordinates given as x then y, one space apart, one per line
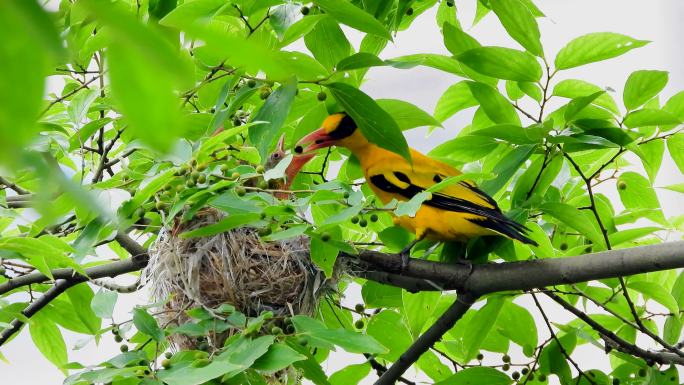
658 21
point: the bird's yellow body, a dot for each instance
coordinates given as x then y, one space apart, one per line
457 212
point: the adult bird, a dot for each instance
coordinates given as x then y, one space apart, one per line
458 212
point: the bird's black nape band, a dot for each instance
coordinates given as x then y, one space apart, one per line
345 128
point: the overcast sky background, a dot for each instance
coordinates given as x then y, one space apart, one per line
659 21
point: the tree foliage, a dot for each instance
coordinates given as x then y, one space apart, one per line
126 116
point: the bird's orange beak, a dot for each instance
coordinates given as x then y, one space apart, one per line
314 141
297 163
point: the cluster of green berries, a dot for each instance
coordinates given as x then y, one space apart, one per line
363 222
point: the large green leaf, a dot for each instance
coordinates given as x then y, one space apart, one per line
456 98
477 375
457 41
407 115
465 148
48 339
327 43
650 117
345 12
480 325
279 356
516 323
274 112
350 341
657 293
573 218
377 125
359 60
506 167
418 308
495 105
675 144
351 375
636 193
502 63
520 24
81 297
574 88
389 329
201 11
595 47
103 303
642 86
31 46
147 324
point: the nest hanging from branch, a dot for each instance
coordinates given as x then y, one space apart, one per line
234 267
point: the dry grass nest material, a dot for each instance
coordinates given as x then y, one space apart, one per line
234 267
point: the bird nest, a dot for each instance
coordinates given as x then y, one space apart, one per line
235 267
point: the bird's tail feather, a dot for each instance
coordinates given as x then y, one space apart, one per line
506 227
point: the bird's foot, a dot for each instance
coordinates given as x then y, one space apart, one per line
467 263
405 256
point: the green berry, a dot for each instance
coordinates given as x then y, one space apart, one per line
515 375
304 10
262 184
616 381
354 219
642 372
202 167
321 96
160 205
346 194
374 217
203 346
118 338
480 356
276 330
140 373
202 178
621 185
363 222
302 341
264 93
190 182
235 175
563 246
409 11
123 348
506 358
524 371
202 362
180 188
325 237
251 83
194 175
359 308
542 378
450 3
289 329
260 169
359 324
505 367
237 122
116 331
168 355
240 191
166 363
223 168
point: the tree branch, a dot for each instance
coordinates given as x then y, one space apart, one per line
445 322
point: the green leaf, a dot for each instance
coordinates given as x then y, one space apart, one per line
502 63
350 341
146 324
350 375
477 375
300 28
595 47
651 155
516 323
82 135
657 293
327 43
48 339
274 111
279 356
672 330
513 134
34 47
573 88
650 117
573 218
520 24
388 328
103 303
456 98
411 207
638 194
457 41
575 106
506 167
81 297
417 309
497 107
359 60
228 223
378 295
346 13
679 187
377 125
465 148
624 236
200 11
407 115
324 255
479 326
642 86
675 105
675 144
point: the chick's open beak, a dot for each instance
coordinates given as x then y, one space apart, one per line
314 141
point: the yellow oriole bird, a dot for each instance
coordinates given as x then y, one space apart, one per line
458 212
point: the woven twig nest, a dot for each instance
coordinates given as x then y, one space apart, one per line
234 267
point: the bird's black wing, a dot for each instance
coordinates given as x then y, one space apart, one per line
491 217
